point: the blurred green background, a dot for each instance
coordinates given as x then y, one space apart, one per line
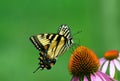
99 21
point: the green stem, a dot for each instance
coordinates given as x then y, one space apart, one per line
116 75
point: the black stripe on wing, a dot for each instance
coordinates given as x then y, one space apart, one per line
57 40
51 37
63 48
37 43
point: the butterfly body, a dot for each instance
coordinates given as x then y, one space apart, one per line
52 45
46 62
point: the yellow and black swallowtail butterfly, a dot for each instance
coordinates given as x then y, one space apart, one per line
52 45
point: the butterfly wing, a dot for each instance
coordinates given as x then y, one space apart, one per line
61 42
41 41
65 31
57 46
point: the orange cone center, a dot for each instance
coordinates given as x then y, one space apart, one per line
112 54
83 61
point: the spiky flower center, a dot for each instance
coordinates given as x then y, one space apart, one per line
112 54
83 61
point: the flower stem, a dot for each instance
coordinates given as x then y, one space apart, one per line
116 75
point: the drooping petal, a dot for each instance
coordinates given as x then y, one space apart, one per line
93 78
85 78
106 77
75 78
112 69
117 64
101 76
102 60
104 68
98 78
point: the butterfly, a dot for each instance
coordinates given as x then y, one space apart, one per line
52 45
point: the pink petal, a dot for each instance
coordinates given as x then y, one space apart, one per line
85 78
112 69
117 64
75 78
102 60
98 78
104 68
93 78
103 78
106 77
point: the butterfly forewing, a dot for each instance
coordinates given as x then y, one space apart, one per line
65 31
56 46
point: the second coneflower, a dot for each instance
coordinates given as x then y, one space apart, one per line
111 62
84 65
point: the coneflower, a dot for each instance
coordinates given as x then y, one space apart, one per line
84 65
112 59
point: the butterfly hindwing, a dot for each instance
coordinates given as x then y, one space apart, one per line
41 41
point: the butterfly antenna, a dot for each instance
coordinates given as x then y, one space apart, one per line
36 69
77 32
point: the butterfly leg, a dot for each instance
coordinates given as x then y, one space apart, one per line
50 63
53 61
